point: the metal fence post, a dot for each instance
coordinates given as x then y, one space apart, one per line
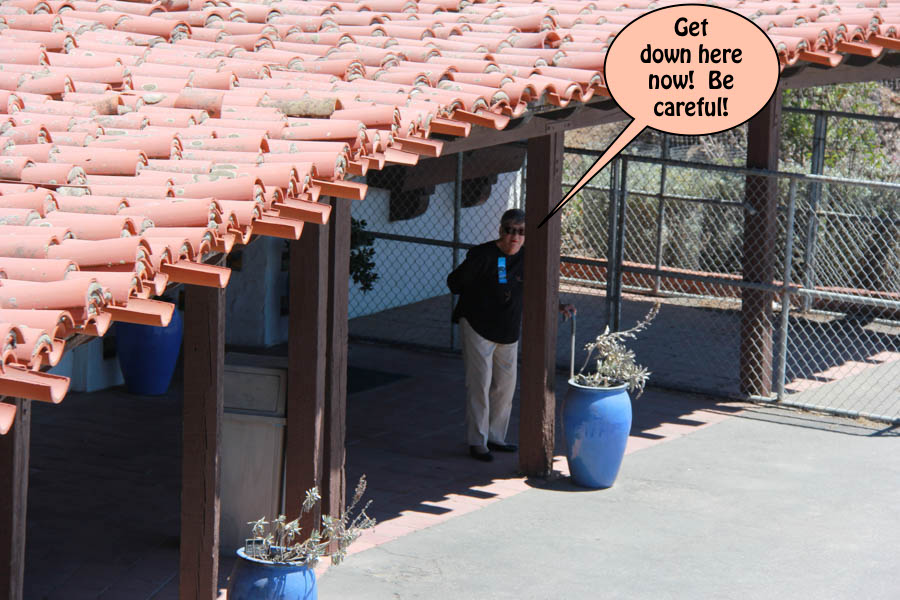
457 207
613 230
786 292
820 132
620 241
661 215
520 201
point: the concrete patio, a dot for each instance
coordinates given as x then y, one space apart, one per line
712 498
766 504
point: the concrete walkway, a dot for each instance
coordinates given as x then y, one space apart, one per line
766 504
715 500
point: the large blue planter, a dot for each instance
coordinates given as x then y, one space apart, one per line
147 355
254 579
596 423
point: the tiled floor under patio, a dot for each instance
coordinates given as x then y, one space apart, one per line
103 513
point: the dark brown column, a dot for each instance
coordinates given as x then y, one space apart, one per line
307 331
334 477
758 263
538 401
14 455
204 365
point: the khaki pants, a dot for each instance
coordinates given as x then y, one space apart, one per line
490 385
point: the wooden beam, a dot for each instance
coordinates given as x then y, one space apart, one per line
307 330
538 400
854 69
434 171
14 457
758 259
204 369
539 125
604 110
333 477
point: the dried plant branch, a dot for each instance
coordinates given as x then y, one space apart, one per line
273 541
615 363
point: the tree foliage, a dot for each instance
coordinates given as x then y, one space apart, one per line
362 255
856 148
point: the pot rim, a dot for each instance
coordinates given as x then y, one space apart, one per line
622 386
272 563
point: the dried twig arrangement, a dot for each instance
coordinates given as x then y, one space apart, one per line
615 363
273 541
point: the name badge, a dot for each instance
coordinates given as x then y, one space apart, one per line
501 269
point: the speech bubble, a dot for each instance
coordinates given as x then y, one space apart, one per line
688 69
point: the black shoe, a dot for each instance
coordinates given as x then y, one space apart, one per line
502 447
482 456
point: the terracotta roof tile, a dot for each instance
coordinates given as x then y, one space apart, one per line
90 204
188 127
19 382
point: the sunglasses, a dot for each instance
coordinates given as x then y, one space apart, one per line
520 231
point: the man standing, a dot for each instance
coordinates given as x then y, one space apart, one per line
489 312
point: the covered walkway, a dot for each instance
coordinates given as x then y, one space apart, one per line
103 513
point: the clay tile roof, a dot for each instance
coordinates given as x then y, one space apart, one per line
137 137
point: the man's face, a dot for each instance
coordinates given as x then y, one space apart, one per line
512 236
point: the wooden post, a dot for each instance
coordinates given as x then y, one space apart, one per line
758 262
14 458
538 401
307 330
204 366
334 477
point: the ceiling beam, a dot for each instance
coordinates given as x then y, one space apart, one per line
854 69
538 125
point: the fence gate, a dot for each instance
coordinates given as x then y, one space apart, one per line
843 343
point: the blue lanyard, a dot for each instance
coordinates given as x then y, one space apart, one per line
501 269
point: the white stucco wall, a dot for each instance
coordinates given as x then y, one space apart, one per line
410 272
253 296
87 368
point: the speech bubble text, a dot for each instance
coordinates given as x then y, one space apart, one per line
688 69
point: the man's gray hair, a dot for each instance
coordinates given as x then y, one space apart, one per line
512 216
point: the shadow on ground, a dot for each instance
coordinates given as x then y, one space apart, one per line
105 478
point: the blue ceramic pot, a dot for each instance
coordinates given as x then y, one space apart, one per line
147 355
596 423
255 579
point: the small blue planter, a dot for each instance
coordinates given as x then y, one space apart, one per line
255 579
147 355
596 424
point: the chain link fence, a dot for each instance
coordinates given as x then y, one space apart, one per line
795 298
775 286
